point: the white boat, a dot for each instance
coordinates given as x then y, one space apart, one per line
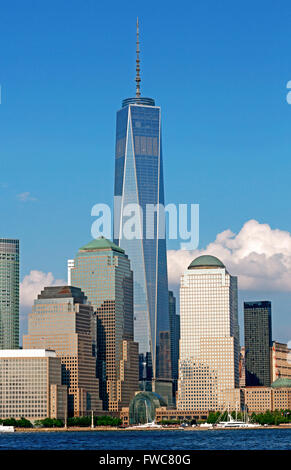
151 425
6 428
206 425
232 423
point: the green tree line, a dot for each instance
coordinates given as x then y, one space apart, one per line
58 423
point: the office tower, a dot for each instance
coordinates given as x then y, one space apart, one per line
175 334
9 293
31 385
258 341
280 361
102 271
139 181
62 320
209 343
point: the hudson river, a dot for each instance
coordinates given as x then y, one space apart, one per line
273 439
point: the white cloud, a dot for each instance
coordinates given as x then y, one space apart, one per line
25 197
259 255
32 285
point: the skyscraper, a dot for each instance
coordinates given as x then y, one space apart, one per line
139 181
258 341
175 334
209 343
102 270
9 294
61 320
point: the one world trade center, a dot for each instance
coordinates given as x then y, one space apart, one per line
139 182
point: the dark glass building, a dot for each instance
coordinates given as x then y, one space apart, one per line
139 181
9 293
175 334
258 341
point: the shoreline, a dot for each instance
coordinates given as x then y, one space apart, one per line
112 428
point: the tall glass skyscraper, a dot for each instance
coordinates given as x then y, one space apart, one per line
139 181
9 294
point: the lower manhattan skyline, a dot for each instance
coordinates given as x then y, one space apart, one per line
54 107
145 237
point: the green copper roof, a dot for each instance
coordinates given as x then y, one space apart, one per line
101 243
283 382
206 261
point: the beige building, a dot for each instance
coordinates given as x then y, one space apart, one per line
261 399
280 361
209 342
242 367
102 270
62 320
31 385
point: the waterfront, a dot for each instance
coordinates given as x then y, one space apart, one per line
260 439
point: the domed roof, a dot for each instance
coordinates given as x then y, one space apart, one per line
283 382
206 261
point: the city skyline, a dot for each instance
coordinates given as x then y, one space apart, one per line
215 86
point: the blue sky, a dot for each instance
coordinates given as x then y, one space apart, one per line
219 71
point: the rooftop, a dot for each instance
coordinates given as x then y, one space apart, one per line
282 382
206 261
62 292
27 353
101 243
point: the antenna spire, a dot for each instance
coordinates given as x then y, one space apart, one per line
137 78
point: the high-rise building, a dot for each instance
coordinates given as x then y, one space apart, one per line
139 183
258 341
209 343
9 293
280 361
175 334
31 385
102 270
61 320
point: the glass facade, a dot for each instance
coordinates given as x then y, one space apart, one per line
175 334
102 270
258 341
143 407
9 294
139 181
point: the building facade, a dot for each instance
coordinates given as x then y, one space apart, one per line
139 184
62 320
31 385
209 343
261 399
280 361
175 339
102 270
242 367
258 341
9 293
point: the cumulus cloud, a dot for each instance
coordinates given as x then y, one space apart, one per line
259 255
25 197
32 285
